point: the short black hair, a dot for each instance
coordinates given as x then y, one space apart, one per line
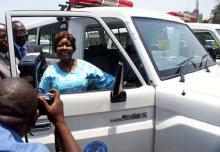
17 97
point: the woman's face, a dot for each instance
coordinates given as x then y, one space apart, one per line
64 49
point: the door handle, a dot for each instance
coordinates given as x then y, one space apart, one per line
41 126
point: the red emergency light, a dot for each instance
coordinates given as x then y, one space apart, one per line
120 3
124 3
184 16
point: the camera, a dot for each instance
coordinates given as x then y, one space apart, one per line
49 97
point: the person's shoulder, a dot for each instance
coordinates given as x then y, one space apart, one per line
87 67
27 147
81 62
37 147
51 69
53 66
16 143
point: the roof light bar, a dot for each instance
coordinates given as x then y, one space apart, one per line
125 3
119 3
184 16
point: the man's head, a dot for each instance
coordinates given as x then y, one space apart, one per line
3 39
19 33
18 104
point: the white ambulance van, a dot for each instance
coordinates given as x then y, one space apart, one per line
168 99
209 36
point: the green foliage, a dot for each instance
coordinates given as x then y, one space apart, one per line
216 14
205 21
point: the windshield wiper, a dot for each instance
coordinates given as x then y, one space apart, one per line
183 65
206 62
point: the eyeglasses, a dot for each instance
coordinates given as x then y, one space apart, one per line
21 32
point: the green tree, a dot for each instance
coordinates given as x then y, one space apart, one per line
205 21
216 14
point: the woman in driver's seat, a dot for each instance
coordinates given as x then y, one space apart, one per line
73 75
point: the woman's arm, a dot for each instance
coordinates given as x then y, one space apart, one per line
100 79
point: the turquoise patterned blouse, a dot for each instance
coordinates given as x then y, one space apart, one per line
85 76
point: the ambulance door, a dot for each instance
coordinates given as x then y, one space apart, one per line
129 123
96 121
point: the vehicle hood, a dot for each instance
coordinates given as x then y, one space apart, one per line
199 82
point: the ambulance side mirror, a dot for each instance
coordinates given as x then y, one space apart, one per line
217 53
118 94
212 52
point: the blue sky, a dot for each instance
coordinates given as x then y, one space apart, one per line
160 5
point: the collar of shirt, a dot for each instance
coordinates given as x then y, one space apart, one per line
5 129
3 55
18 47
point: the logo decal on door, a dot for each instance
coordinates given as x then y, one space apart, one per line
96 146
130 117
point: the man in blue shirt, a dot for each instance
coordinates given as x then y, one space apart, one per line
19 112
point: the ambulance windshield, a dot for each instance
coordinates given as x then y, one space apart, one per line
169 44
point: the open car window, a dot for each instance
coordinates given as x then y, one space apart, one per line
93 45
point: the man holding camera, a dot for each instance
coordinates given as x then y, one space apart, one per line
19 112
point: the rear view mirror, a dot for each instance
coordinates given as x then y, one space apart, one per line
217 51
118 94
212 52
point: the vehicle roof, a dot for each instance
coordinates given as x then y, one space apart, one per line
203 26
122 12
118 12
